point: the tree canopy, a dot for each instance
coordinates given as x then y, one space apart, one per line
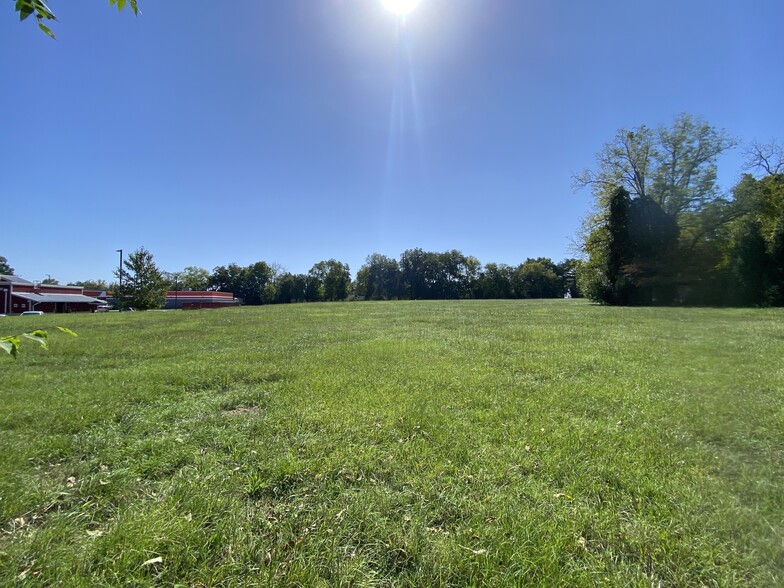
141 284
662 232
675 166
5 269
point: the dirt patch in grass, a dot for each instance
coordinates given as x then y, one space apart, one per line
240 411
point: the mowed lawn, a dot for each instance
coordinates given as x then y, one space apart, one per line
471 443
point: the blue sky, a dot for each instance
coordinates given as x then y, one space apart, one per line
294 131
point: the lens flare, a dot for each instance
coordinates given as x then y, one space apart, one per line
401 7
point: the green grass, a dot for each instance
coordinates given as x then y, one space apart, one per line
396 444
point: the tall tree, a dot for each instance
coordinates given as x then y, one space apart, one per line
685 174
536 278
143 285
608 249
252 284
673 216
755 240
257 284
567 271
776 266
413 266
193 278
750 264
494 281
765 157
290 287
379 278
5 269
333 279
675 166
228 278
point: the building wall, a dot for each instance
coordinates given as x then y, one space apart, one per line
20 305
189 299
11 304
61 307
200 305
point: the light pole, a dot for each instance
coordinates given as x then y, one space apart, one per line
120 252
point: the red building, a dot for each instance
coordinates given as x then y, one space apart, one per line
193 300
18 295
183 299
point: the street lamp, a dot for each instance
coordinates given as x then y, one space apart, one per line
120 252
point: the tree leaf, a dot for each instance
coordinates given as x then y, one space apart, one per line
38 336
43 11
67 331
10 345
46 29
24 8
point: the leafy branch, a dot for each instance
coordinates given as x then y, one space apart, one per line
10 344
43 13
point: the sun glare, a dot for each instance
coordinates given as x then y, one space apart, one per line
401 7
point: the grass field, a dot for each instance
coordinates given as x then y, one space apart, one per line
551 443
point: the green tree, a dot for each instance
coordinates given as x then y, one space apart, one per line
43 13
750 264
536 278
50 282
92 284
257 283
754 240
290 287
675 166
567 271
776 265
142 284
609 249
434 276
252 284
673 218
229 278
192 278
413 266
495 281
379 278
652 246
332 279
5 269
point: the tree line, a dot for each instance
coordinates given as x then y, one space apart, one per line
662 232
416 275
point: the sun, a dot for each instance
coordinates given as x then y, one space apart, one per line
401 7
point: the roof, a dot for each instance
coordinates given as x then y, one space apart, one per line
38 298
206 294
14 280
58 286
